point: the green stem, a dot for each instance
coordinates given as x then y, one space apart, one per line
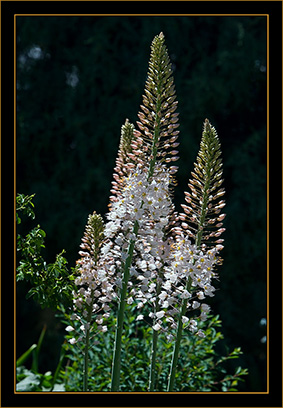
175 356
152 375
203 214
85 379
115 381
86 361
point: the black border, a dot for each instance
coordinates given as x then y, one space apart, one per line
8 10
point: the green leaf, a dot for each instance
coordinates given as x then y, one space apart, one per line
21 360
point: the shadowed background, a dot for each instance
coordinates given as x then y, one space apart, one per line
78 79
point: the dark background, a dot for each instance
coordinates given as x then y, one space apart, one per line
78 78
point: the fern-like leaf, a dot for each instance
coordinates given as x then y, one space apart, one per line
201 218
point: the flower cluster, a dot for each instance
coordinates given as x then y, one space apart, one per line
164 270
143 202
94 288
187 276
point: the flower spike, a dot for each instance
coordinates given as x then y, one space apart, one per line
158 120
129 155
202 217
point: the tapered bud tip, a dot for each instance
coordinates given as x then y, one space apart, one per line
161 35
207 125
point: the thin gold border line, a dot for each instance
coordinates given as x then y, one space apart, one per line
141 15
146 15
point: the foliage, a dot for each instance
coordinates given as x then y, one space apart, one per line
32 380
51 284
200 366
27 380
204 370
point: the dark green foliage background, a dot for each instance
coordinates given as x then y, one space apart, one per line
79 78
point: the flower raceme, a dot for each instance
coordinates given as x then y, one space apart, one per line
186 263
159 261
143 201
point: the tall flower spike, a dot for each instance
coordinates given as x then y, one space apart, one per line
158 120
89 281
129 155
93 237
202 217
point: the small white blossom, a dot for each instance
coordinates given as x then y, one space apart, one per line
195 304
200 333
156 327
185 319
160 314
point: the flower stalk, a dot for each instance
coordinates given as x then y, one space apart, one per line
91 243
115 380
158 103
206 180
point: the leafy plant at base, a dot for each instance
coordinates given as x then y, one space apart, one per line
200 367
51 284
32 380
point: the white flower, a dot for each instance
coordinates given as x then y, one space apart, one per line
185 295
169 338
140 317
156 327
195 304
160 314
203 316
72 341
163 295
69 328
200 333
184 319
130 300
193 326
200 295
165 304
205 308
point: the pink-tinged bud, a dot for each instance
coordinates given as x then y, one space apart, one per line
219 232
175 158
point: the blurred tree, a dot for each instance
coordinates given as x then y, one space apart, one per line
79 78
